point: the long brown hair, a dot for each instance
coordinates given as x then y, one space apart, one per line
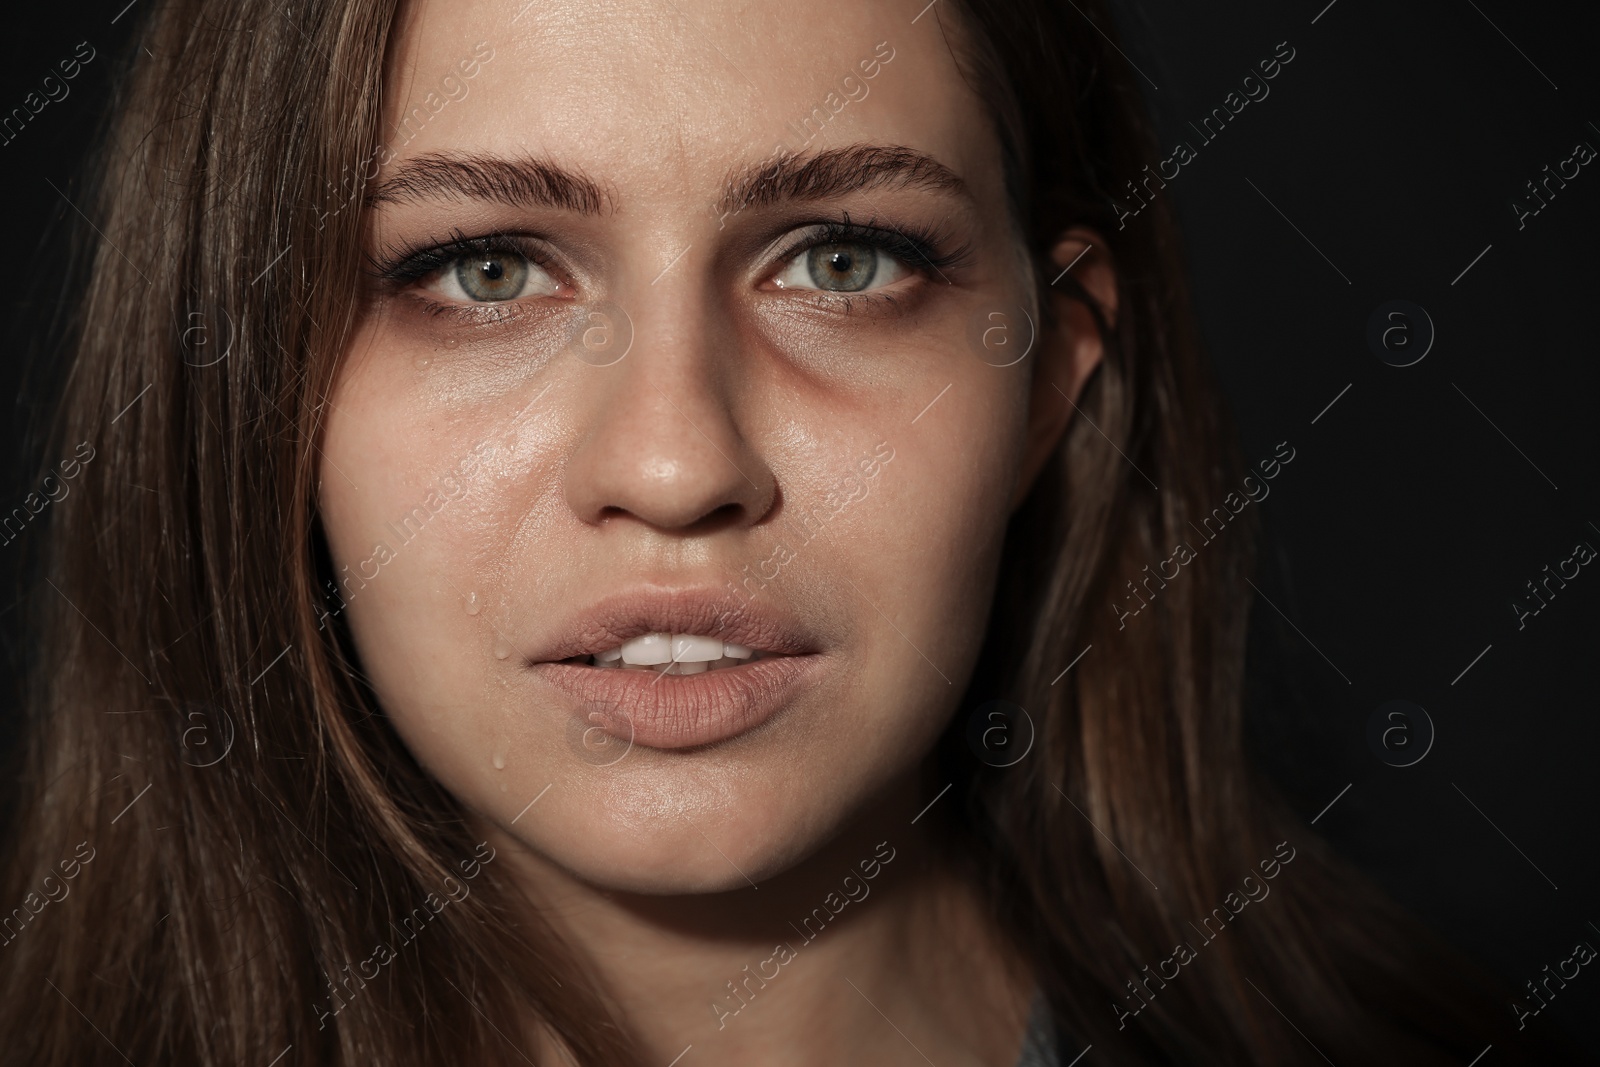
1141 826
240 823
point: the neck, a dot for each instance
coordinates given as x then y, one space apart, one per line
873 949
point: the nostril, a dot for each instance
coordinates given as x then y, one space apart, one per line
717 518
722 516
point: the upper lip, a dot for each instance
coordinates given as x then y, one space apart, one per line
761 624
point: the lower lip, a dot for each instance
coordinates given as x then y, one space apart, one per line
681 710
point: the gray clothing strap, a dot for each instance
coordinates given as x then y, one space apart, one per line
1039 1042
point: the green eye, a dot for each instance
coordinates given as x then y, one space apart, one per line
488 278
841 267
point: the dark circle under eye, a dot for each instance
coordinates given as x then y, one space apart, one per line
842 268
492 277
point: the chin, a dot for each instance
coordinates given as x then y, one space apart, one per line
674 823
663 872
665 856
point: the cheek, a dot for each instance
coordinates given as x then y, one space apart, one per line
945 499
924 545
413 560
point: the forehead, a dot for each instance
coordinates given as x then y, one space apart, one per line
657 99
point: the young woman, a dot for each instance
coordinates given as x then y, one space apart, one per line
593 543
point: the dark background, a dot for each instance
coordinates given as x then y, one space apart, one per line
1383 161
1418 505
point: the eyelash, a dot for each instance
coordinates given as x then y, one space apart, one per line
402 266
918 249
915 247
412 263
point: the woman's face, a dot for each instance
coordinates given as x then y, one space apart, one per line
680 332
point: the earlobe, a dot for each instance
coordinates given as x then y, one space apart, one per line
1071 347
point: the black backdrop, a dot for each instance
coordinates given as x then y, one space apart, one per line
1382 165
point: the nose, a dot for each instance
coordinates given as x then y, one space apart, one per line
663 444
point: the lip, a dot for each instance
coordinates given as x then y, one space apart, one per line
679 711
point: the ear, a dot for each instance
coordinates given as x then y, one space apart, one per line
1071 349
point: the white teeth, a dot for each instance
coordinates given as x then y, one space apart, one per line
675 654
648 649
687 648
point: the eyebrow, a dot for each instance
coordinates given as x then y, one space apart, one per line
527 181
835 172
523 181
